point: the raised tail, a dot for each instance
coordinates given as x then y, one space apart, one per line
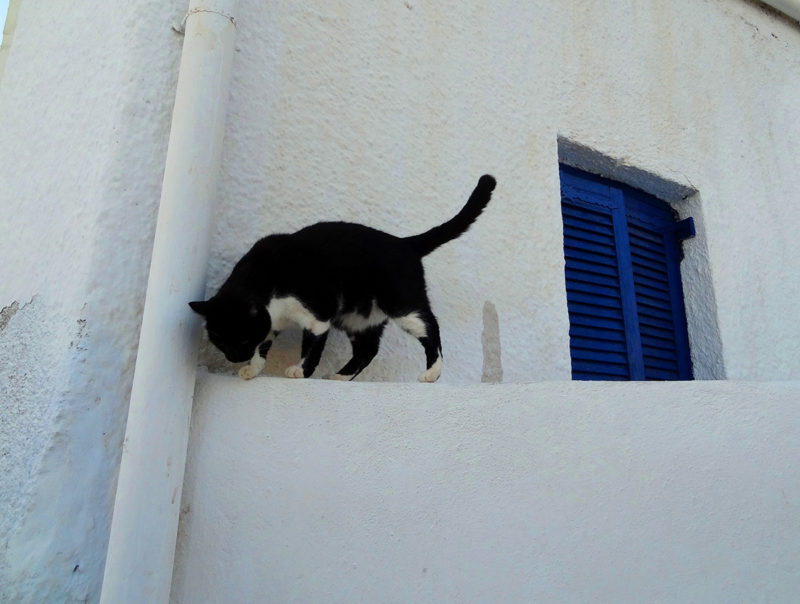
428 241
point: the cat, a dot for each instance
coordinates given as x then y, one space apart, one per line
332 274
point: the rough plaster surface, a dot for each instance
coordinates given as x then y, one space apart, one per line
550 492
387 115
368 114
383 113
85 102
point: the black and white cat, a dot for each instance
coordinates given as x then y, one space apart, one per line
332 274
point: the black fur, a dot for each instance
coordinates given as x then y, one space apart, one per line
338 271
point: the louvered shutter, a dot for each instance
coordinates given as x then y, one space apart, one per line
597 327
622 268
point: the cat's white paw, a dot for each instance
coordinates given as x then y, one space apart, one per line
295 371
341 378
432 374
248 372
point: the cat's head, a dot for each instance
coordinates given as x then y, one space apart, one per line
235 324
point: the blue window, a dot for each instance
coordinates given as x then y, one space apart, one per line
622 251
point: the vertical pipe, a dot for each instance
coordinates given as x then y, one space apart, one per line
144 528
8 33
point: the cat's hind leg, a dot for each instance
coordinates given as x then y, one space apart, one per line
310 354
365 347
423 325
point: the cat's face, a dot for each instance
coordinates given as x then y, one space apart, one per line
235 325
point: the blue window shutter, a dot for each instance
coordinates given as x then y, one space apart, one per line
622 268
598 343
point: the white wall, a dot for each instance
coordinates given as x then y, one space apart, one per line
85 100
552 492
387 114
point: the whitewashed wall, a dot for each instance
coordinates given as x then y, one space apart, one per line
85 101
388 113
384 113
549 492
378 492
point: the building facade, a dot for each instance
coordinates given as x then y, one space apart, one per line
387 115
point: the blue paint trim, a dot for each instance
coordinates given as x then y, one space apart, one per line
685 229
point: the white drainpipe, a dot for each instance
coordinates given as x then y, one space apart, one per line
789 7
144 528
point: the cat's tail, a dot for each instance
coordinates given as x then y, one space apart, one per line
428 241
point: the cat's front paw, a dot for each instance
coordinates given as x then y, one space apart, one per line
248 372
295 371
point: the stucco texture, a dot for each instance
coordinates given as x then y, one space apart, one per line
388 114
551 492
85 101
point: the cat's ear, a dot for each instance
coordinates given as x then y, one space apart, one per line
200 307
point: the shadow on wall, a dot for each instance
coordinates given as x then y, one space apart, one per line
490 342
